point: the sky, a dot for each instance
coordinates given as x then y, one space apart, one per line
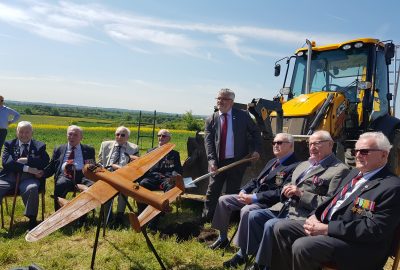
168 55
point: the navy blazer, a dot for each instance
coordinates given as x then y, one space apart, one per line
243 128
37 156
269 191
371 231
56 161
169 163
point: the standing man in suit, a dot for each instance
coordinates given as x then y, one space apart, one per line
355 227
113 155
5 121
227 135
313 182
27 157
261 192
67 163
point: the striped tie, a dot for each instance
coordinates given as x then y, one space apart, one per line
347 188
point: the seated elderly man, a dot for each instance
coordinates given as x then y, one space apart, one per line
159 176
27 157
113 155
355 227
261 192
313 182
67 163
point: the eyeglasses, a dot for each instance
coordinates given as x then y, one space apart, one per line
162 136
120 134
363 152
279 142
223 99
316 143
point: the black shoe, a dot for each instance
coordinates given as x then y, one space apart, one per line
234 262
32 223
219 244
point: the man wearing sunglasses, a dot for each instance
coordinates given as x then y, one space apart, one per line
312 182
230 135
353 229
113 155
5 113
261 192
159 176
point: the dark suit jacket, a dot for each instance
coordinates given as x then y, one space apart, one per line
370 234
56 162
268 192
37 157
169 163
242 126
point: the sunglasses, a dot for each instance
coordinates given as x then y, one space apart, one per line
162 136
120 134
363 152
279 142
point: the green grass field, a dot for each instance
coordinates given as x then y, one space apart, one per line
71 247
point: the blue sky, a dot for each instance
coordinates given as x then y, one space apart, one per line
169 56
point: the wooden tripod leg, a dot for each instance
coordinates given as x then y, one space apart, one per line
151 247
230 240
96 240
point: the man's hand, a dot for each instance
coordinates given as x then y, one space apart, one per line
132 157
314 227
255 155
34 171
22 160
245 198
212 168
115 167
292 190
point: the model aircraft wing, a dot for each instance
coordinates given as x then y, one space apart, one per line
99 193
150 212
102 191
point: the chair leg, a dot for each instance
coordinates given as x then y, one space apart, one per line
2 214
43 205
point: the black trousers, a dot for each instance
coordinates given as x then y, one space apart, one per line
232 177
3 135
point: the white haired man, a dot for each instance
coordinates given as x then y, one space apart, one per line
28 157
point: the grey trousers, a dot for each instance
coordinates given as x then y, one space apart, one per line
227 204
28 189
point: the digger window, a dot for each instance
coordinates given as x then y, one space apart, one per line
380 102
335 70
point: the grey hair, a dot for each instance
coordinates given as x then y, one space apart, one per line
380 139
228 92
74 127
165 131
287 136
24 124
325 135
124 128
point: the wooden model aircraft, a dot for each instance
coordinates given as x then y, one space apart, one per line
107 185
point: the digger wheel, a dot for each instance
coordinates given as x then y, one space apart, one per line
394 157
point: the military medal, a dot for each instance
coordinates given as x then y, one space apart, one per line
279 178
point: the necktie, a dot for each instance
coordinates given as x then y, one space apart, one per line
117 154
69 170
304 173
347 188
24 150
222 142
276 164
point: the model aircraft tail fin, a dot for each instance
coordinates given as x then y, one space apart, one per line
150 212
